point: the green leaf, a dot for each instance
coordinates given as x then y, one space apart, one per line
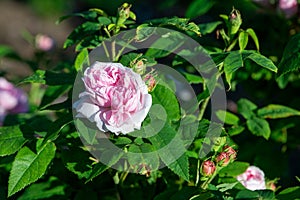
208 27
229 117
258 194
235 130
290 60
110 159
29 166
164 142
143 32
274 111
232 63
89 15
44 190
52 93
226 186
192 78
243 40
262 61
11 140
104 21
50 78
82 31
167 99
246 107
259 127
81 59
198 7
6 51
289 193
77 161
252 34
143 154
234 169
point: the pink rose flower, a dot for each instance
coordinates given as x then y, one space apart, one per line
115 98
44 42
253 179
288 7
12 100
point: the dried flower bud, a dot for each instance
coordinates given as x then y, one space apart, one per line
235 21
208 168
150 81
223 159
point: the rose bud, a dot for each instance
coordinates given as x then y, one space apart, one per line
223 159
271 185
139 67
253 179
230 151
235 22
208 168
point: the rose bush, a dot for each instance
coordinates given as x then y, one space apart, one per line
115 98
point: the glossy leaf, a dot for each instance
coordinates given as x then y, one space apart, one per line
234 169
274 111
198 7
289 193
246 108
259 126
208 27
262 61
243 40
252 34
81 59
232 63
290 60
229 117
11 140
29 166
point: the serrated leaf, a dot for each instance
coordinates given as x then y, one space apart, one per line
110 159
243 40
44 190
81 59
246 108
208 27
82 31
232 63
262 61
167 99
198 8
290 60
171 151
143 154
86 15
259 126
52 93
229 117
252 34
234 169
143 32
50 78
289 193
274 111
11 140
28 167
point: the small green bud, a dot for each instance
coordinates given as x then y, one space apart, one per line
235 21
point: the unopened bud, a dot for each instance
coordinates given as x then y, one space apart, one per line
140 67
150 82
208 168
230 151
223 159
235 21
